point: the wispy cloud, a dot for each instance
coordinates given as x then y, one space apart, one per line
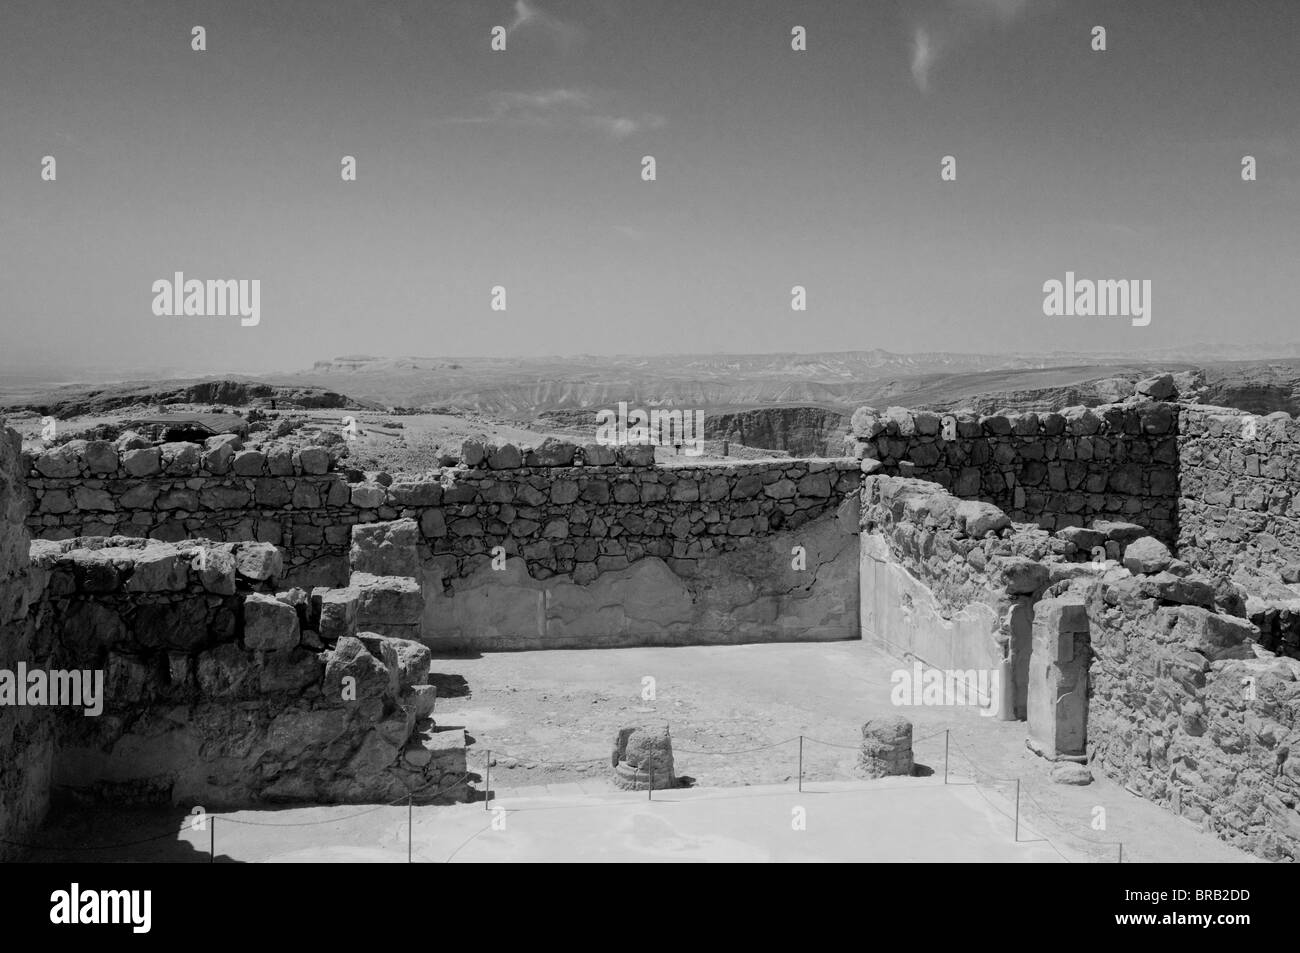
922 58
530 18
563 108
621 127
953 23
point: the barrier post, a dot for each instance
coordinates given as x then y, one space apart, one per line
945 756
1017 810
1121 853
487 784
650 789
801 763
212 841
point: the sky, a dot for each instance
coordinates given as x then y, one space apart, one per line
522 168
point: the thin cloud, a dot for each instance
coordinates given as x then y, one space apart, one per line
532 19
562 108
621 127
954 23
922 58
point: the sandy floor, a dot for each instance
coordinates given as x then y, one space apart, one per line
736 698
716 699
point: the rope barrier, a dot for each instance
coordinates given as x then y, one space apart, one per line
981 777
1063 829
131 843
441 783
775 744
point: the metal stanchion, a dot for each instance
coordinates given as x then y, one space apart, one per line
1017 810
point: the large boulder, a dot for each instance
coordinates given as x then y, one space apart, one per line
349 659
552 453
412 658
1119 532
981 518
1147 555
1158 388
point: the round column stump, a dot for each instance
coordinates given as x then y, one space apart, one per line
643 753
886 748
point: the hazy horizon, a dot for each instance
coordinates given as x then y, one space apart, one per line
522 168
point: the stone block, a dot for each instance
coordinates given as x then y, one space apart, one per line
1146 555
259 561
392 600
338 612
386 548
269 624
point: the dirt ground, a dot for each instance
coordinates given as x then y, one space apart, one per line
549 745
549 775
538 711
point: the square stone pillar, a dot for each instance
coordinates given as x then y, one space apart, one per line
1058 680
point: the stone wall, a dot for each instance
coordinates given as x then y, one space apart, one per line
1187 710
26 734
1112 462
954 582
1141 664
1239 489
178 491
596 547
221 691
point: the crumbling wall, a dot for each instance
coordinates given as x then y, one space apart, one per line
26 734
954 582
1113 462
1187 710
554 547
221 691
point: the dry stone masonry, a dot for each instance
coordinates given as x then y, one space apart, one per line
221 686
1139 664
1239 506
1115 462
26 735
561 515
1189 711
221 690
509 548
1128 575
